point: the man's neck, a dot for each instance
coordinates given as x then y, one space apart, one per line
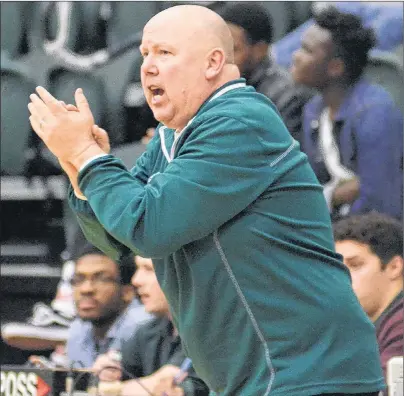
333 96
101 327
393 292
100 330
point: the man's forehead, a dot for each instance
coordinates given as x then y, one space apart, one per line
93 263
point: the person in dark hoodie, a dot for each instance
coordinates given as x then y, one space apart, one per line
251 29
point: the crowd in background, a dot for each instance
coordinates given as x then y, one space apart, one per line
117 319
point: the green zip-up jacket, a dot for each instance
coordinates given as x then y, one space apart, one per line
241 239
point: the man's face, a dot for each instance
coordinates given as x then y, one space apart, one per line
148 288
243 50
97 290
369 280
310 62
172 73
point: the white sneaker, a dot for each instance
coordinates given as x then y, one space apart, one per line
44 330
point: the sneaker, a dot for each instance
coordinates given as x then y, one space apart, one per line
63 301
44 330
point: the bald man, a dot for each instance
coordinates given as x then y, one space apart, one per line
230 211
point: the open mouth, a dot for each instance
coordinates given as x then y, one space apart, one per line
157 93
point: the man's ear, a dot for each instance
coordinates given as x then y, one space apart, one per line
128 293
215 62
336 68
395 268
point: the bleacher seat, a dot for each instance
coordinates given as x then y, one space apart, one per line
63 21
384 68
128 18
64 83
129 153
281 14
15 127
12 27
301 12
138 116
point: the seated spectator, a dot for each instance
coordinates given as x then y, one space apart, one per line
153 354
106 308
372 248
251 28
386 20
352 131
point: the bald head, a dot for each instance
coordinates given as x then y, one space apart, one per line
187 55
200 25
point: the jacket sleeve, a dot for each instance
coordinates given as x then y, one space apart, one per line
379 155
93 230
222 167
132 351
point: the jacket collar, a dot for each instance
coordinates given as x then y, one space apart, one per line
317 104
229 86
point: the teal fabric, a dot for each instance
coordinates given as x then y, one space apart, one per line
242 245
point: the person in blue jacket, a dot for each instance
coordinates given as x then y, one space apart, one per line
352 130
385 18
232 214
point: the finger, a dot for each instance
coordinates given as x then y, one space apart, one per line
34 111
36 126
51 102
68 107
41 110
71 107
82 103
99 132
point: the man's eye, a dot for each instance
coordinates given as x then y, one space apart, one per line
355 265
164 52
144 54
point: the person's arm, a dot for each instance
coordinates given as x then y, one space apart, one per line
390 336
378 133
346 192
150 382
223 167
92 229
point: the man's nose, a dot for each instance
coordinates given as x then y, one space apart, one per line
87 286
149 66
136 279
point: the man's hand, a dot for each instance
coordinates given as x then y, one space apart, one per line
346 192
107 368
102 139
67 134
100 135
166 387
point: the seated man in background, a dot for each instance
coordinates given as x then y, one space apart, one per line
106 308
352 131
385 18
372 247
153 355
251 28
